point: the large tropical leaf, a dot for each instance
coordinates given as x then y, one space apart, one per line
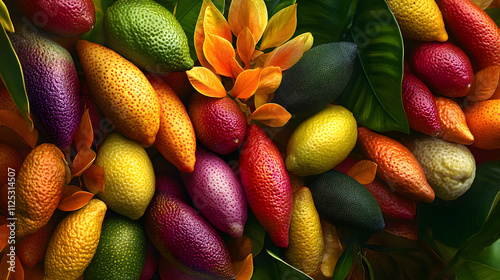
327 20
285 270
453 222
374 92
274 6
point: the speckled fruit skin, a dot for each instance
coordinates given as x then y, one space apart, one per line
65 18
393 205
217 193
186 239
476 33
483 119
171 185
443 67
266 184
218 122
122 91
52 86
420 106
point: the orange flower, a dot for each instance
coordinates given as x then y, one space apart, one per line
254 72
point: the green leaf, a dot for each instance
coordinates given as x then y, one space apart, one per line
96 35
187 12
327 20
12 75
374 92
169 4
490 256
255 232
274 6
5 18
453 222
285 270
471 270
264 267
494 13
344 264
368 266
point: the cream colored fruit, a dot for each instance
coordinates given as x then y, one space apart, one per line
450 168
74 242
321 142
129 179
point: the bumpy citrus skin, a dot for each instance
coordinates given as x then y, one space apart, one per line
474 30
74 242
450 168
453 122
129 182
483 120
266 183
397 166
306 248
176 139
419 20
147 34
39 186
322 141
122 91
186 239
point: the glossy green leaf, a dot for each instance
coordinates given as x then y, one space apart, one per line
96 35
169 4
327 20
368 266
5 18
471 270
255 232
344 264
285 270
12 75
490 256
453 222
374 92
264 267
274 6
494 13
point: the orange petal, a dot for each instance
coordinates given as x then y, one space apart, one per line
199 35
4 235
74 198
245 44
206 82
269 81
285 56
236 68
259 58
83 160
93 179
219 53
261 99
280 28
239 248
243 270
363 171
84 136
246 83
244 108
215 23
271 114
248 13
15 264
484 84
19 124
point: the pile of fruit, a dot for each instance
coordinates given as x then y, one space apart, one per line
250 139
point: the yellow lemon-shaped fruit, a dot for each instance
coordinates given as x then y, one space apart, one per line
450 168
321 141
129 179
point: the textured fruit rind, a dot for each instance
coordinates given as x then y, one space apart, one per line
266 183
397 166
39 187
483 120
74 242
453 122
186 239
217 193
122 91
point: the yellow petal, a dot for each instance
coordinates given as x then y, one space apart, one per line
261 99
285 56
248 13
216 24
206 82
219 53
245 44
280 28
243 270
308 40
199 35
269 81
246 83
271 114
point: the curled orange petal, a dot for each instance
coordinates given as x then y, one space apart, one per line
74 198
248 13
219 53
206 82
245 44
83 160
484 84
269 80
243 270
215 23
93 179
271 114
84 136
285 56
246 83
15 121
363 171
199 35
236 67
280 28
